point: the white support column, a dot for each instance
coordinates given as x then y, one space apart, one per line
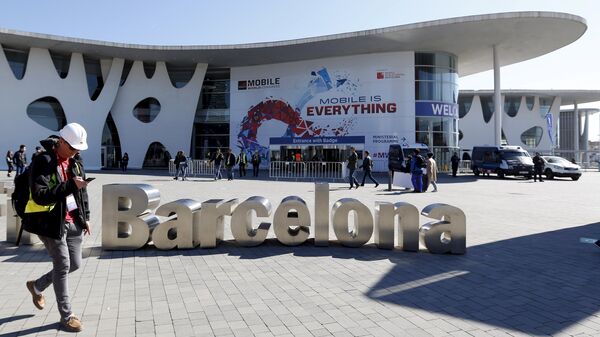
576 132
497 100
586 136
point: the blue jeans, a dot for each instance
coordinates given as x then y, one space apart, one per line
352 178
20 169
417 181
229 172
218 171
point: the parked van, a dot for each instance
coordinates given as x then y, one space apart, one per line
501 160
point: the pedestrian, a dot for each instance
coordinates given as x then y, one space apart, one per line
455 160
243 161
255 163
218 161
417 164
538 167
181 165
38 150
20 159
352 164
367 166
9 162
58 213
431 171
124 162
230 161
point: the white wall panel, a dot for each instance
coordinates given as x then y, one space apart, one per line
173 125
41 80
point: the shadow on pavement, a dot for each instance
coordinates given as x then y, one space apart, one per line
538 284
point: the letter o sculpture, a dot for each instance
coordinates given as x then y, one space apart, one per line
363 222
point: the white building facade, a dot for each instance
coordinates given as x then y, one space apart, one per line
318 96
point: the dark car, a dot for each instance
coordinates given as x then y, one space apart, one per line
501 160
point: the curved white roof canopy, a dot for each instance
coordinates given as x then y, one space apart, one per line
519 36
567 97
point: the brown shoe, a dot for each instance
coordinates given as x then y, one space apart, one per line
71 324
38 300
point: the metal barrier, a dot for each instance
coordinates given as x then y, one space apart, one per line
195 168
464 166
307 170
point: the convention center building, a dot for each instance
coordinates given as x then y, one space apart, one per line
307 99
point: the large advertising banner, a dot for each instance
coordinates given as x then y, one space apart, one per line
370 96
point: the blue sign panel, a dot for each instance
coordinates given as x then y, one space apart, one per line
316 140
436 109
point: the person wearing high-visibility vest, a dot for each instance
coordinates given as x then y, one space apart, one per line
243 161
57 211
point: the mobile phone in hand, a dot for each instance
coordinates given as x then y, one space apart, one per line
88 179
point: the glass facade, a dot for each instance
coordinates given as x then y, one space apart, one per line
436 80
180 75
48 113
512 105
147 110
532 137
61 63
93 75
211 123
111 144
17 60
126 69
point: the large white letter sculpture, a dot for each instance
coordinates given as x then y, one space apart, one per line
447 235
126 217
292 230
241 221
408 231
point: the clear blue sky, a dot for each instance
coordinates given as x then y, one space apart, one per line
200 22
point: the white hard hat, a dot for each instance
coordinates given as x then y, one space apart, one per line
75 135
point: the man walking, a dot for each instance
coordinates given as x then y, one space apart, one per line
538 167
218 160
455 160
58 213
243 161
20 159
255 163
367 167
352 163
229 163
431 172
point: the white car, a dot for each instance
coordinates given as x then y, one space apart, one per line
560 167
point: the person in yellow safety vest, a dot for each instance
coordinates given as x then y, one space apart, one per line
58 213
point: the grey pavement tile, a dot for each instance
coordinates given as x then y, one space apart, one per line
512 284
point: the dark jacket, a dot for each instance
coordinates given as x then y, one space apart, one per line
42 171
538 162
352 159
20 159
255 159
230 160
367 164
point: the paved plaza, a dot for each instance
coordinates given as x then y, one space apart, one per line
525 272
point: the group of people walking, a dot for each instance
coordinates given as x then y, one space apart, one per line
18 159
423 172
230 160
367 166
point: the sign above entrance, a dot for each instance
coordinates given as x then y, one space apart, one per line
435 109
316 140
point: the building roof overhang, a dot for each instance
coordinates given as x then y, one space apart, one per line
568 97
518 36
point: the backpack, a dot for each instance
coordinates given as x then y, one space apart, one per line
20 195
421 162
